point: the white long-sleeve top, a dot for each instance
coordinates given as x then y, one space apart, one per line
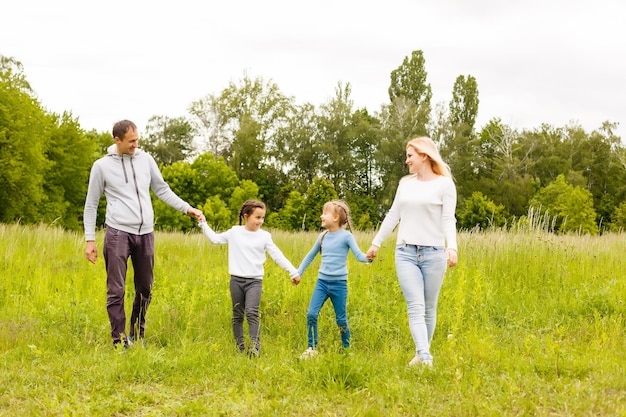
425 210
246 251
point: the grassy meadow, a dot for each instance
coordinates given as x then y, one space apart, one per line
530 324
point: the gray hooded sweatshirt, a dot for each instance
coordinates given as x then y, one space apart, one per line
126 181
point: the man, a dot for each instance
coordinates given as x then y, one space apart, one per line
125 176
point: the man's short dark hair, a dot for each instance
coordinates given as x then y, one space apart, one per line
122 127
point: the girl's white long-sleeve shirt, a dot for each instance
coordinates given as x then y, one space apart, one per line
246 251
425 210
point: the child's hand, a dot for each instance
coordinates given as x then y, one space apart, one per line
295 280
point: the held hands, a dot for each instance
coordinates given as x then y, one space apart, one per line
194 212
372 252
295 280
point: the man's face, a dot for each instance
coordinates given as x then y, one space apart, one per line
128 144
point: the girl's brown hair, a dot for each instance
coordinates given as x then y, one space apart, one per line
342 209
248 208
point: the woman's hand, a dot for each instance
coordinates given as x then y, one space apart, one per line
453 257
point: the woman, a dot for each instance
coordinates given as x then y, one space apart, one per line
424 206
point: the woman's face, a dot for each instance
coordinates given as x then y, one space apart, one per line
414 159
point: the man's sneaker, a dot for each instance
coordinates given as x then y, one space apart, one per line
133 337
125 344
309 353
425 359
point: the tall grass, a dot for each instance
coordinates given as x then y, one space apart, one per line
530 323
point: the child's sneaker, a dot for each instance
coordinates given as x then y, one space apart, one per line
309 353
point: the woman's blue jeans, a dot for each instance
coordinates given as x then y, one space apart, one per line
420 271
337 291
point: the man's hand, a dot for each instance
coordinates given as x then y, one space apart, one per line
295 280
91 252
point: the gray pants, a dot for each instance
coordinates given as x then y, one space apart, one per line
246 297
118 247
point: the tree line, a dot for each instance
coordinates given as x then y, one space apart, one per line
252 141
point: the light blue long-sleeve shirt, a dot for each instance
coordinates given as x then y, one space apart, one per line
334 247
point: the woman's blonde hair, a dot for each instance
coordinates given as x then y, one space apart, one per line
426 146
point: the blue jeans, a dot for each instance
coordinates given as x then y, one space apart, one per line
420 271
337 291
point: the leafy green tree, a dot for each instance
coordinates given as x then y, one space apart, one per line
571 206
545 153
12 73
596 157
498 169
217 213
367 135
210 120
24 130
619 218
274 187
292 216
213 177
409 81
206 182
298 147
168 139
464 104
184 181
480 212
337 162
70 155
439 128
100 142
252 111
247 151
320 191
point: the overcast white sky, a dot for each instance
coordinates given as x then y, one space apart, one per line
535 61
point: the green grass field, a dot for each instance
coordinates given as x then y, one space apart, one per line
530 324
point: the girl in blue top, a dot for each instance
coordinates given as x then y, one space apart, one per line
332 280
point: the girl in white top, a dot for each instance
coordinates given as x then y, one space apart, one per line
247 245
424 206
